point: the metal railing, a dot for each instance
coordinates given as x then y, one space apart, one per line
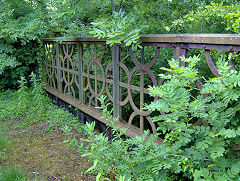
80 70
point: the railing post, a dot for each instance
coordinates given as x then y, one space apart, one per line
44 64
58 68
80 80
116 79
80 66
178 52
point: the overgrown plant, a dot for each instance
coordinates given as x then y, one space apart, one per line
200 129
39 101
139 158
23 95
202 125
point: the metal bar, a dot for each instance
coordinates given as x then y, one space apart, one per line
68 73
142 91
44 65
120 93
80 80
225 47
58 68
116 78
80 76
211 65
96 86
232 39
178 52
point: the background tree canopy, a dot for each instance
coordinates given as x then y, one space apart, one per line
24 22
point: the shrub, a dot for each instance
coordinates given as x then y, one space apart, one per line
199 128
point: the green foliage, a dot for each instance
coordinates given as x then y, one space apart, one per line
214 18
138 158
4 144
59 117
120 28
39 100
198 132
22 99
8 105
25 22
12 174
20 51
33 105
207 145
6 61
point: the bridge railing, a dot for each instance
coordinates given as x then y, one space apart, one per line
80 70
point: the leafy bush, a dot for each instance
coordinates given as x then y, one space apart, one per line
20 51
199 128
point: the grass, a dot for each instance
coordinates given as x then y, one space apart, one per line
4 144
31 138
12 174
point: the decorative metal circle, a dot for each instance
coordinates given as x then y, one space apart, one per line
149 65
154 129
106 76
131 118
134 114
125 101
86 64
96 94
64 76
211 65
148 71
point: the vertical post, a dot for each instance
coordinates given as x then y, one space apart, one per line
80 66
58 68
142 90
44 65
116 78
178 52
80 80
95 76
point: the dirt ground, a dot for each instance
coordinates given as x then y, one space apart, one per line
44 155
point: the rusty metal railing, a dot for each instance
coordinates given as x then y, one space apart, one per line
80 70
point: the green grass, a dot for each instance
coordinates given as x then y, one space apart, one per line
20 110
4 144
8 105
12 174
